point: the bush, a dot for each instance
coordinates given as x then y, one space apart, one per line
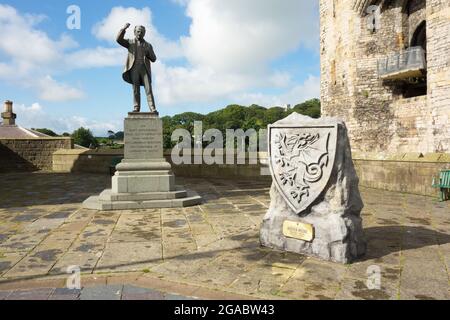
309 108
84 137
234 117
46 131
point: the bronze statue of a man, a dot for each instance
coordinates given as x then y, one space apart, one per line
138 68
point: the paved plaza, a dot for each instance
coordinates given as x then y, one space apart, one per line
209 251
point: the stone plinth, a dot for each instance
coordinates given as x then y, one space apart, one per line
315 202
144 178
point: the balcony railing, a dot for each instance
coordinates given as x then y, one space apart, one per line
407 64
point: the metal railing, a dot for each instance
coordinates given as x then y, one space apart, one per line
408 60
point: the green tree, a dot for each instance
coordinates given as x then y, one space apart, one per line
84 137
309 108
119 135
273 115
46 131
186 120
168 128
235 117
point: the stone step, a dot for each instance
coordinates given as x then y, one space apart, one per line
108 195
96 203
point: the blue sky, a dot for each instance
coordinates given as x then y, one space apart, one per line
210 54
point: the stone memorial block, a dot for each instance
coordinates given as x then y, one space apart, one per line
144 168
143 137
144 178
315 202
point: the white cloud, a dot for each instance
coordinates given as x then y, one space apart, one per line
36 116
108 28
201 84
95 58
30 66
309 89
231 46
228 52
34 108
236 35
181 2
51 90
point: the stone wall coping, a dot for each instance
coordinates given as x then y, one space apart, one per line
37 138
68 151
105 152
97 152
403 157
369 156
261 154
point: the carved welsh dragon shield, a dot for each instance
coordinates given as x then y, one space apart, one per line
301 161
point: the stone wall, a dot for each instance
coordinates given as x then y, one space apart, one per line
409 173
222 171
377 114
30 154
438 47
403 172
93 161
411 124
85 160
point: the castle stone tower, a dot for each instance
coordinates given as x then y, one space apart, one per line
385 70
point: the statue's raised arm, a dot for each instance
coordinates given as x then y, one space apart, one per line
120 36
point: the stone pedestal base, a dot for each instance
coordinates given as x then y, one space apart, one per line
142 185
335 237
144 178
135 176
107 200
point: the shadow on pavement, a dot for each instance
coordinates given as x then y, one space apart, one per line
385 240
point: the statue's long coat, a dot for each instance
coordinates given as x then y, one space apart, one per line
130 44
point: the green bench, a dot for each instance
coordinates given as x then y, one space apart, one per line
444 183
114 162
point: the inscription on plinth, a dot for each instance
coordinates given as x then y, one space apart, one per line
143 138
298 230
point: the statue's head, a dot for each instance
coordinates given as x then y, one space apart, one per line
139 32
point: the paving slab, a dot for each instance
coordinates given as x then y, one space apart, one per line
136 256
113 292
4 294
65 294
210 248
33 294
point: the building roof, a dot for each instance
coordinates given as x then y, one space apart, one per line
17 132
9 129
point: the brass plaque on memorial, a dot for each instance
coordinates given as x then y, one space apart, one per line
298 230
